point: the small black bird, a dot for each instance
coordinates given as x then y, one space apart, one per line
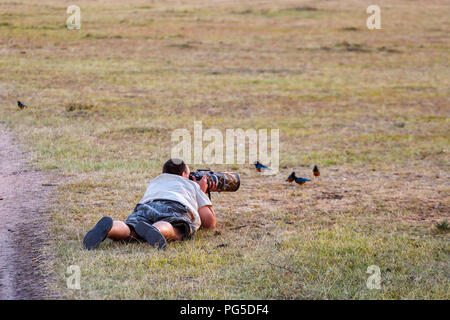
291 177
260 167
298 180
21 105
316 171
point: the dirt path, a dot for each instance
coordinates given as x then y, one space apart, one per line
24 193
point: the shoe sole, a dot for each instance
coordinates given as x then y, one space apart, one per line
151 235
96 235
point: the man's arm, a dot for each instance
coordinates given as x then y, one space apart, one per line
207 217
206 213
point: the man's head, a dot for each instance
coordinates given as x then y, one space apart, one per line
176 166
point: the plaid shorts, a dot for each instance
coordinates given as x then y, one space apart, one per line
162 210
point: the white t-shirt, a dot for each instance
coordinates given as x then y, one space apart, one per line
174 187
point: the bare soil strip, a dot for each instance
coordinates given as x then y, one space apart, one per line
23 227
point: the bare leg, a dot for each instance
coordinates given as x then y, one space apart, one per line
119 231
168 231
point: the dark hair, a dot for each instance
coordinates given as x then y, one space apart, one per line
174 166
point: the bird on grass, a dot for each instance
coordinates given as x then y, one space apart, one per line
259 166
316 171
297 180
291 177
21 105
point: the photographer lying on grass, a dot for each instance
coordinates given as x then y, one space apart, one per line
173 208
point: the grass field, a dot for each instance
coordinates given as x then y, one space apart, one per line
370 108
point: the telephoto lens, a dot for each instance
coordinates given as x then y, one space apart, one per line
226 181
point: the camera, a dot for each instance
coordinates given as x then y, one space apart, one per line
226 181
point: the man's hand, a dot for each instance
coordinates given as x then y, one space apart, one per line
203 183
213 186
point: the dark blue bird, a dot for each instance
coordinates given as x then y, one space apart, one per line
21 105
259 166
291 177
297 180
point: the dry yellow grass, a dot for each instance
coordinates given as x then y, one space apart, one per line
371 108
